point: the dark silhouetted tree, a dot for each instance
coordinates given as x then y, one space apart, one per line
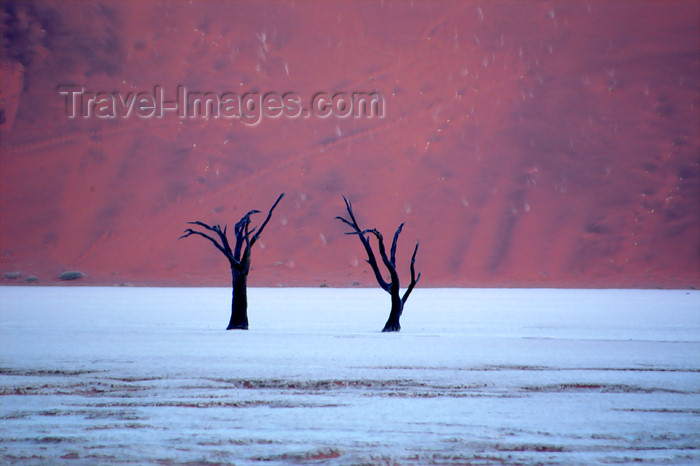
238 258
392 285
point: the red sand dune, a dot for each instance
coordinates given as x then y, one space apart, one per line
534 144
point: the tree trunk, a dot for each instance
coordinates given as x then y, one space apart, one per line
239 302
393 325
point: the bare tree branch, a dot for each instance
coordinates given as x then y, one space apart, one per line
348 206
224 239
414 279
371 259
241 232
348 223
382 252
393 244
267 219
190 232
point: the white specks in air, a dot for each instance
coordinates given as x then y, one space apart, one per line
302 196
480 13
323 238
262 245
526 207
407 208
262 37
476 38
586 80
485 62
465 202
530 180
284 221
354 261
465 71
338 131
436 113
562 185
552 15
286 69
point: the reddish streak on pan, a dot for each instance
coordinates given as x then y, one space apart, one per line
535 144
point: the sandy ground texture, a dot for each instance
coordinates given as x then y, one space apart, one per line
526 144
150 376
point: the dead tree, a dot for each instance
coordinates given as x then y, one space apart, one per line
392 285
238 258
